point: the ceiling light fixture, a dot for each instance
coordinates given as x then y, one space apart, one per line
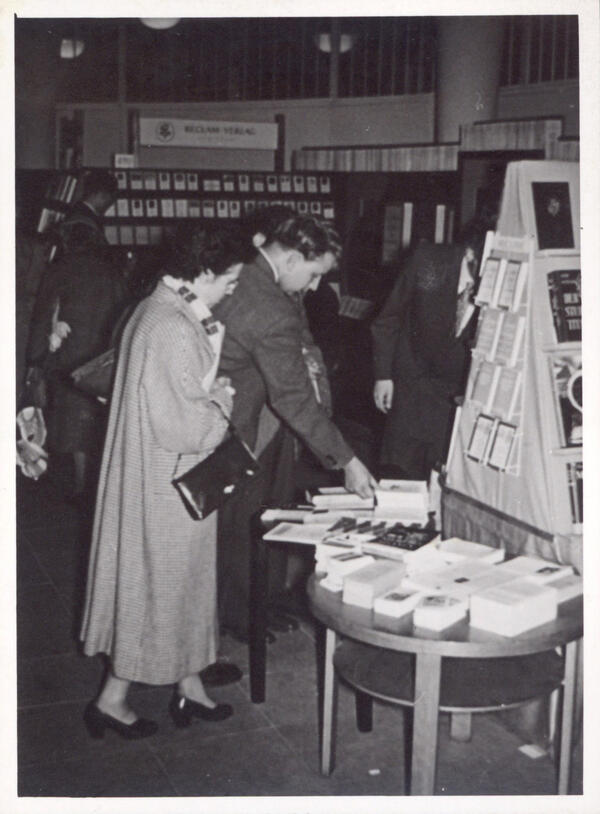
71 48
160 23
324 43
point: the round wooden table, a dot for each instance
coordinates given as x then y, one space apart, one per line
429 648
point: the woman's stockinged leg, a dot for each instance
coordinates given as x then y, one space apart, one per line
191 687
113 699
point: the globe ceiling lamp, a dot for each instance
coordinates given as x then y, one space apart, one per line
160 23
71 48
324 42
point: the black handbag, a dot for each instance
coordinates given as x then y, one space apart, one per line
207 485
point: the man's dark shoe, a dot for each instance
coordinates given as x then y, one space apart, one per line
220 673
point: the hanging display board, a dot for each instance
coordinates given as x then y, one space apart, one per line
169 132
517 441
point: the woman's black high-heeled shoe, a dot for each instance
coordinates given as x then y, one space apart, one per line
97 722
182 710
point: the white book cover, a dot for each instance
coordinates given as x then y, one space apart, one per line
501 446
449 576
181 207
438 612
397 602
510 339
488 333
513 608
513 285
454 549
481 437
297 533
488 284
567 587
484 385
167 208
523 566
150 180
341 500
362 586
506 394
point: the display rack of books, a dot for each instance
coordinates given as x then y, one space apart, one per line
494 395
150 202
517 440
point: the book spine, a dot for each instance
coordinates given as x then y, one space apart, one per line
557 307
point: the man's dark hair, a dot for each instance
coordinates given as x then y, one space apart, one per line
99 181
265 221
311 237
195 249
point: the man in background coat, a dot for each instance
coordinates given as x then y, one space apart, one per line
262 355
421 350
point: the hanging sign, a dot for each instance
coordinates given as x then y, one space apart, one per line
155 132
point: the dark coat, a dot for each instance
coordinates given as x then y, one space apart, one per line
262 354
91 295
415 346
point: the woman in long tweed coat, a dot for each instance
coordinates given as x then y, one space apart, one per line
151 592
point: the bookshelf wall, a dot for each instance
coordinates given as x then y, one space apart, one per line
152 201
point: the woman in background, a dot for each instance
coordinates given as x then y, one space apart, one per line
151 592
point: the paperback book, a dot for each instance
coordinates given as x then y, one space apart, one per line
510 340
564 291
566 375
505 403
488 333
575 485
492 275
481 437
513 285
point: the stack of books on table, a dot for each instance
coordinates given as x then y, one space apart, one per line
406 501
439 611
335 499
514 607
342 564
362 587
462 579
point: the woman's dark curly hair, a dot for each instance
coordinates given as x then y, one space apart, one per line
194 249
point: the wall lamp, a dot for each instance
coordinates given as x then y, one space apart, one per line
160 23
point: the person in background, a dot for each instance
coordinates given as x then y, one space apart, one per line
421 347
79 301
262 354
151 590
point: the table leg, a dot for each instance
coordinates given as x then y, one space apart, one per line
425 723
568 710
259 564
329 705
460 726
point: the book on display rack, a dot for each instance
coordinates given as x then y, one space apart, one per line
564 291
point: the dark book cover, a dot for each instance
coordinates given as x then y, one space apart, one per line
575 482
564 291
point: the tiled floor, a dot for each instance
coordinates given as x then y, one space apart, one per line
265 749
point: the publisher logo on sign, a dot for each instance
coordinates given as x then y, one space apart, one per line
165 132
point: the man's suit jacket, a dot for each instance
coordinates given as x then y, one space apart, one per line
262 355
414 345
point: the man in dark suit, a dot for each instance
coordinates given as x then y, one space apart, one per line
421 354
262 355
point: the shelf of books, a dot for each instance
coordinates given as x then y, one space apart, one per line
150 201
517 440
